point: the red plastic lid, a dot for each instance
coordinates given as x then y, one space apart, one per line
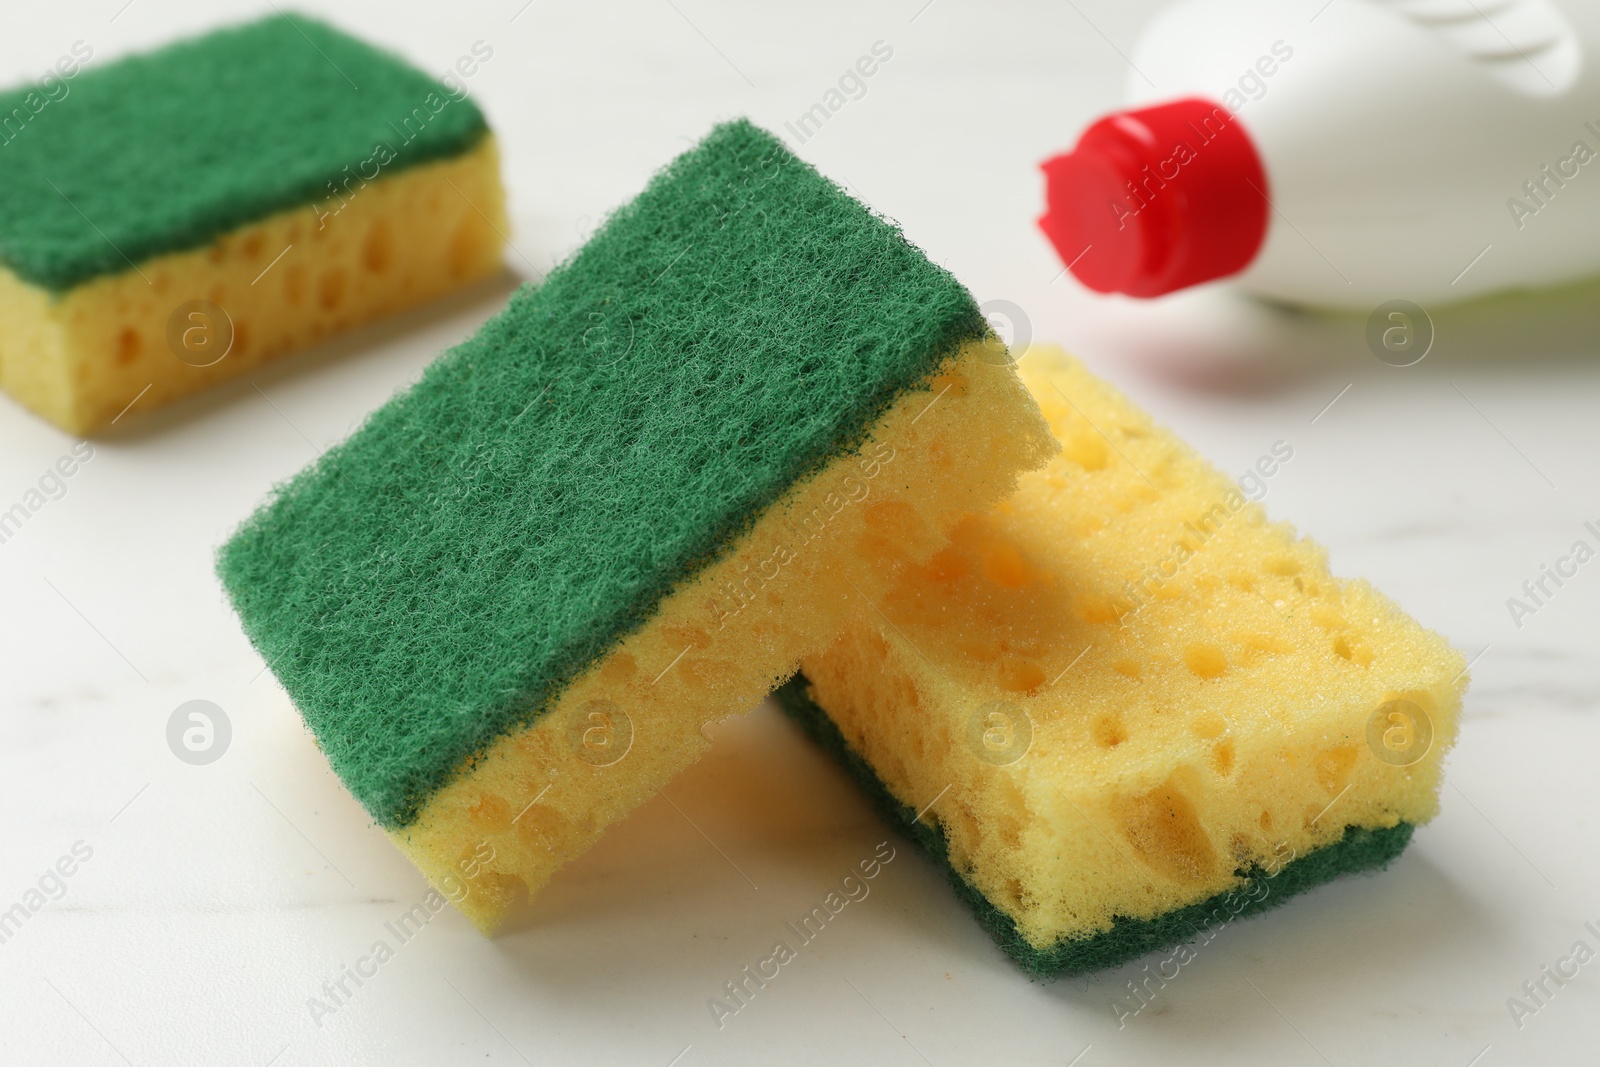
1158 199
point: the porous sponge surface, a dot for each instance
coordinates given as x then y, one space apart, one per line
432 583
82 357
1124 686
166 151
1259 887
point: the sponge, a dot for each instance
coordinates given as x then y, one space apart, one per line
175 219
508 604
1122 706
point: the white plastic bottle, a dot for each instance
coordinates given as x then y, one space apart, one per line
1428 150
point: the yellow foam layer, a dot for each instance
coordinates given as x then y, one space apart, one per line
1124 683
718 644
80 358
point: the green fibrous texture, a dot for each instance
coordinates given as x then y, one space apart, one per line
1361 848
166 151
435 581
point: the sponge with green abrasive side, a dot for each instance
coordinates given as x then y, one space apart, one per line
1122 707
172 219
510 602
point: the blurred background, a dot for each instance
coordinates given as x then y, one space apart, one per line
220 897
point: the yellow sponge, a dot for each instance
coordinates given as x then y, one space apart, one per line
1123 695
179 217
187 321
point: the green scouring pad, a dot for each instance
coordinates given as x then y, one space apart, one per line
507 605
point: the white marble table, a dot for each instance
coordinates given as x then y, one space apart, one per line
216 899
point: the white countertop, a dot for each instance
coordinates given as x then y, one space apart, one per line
217 899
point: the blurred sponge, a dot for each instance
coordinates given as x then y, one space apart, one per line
294 179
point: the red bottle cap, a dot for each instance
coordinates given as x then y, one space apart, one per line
1157 199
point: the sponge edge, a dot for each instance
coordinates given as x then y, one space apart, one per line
82 357
1258 888
539 797
1122 695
